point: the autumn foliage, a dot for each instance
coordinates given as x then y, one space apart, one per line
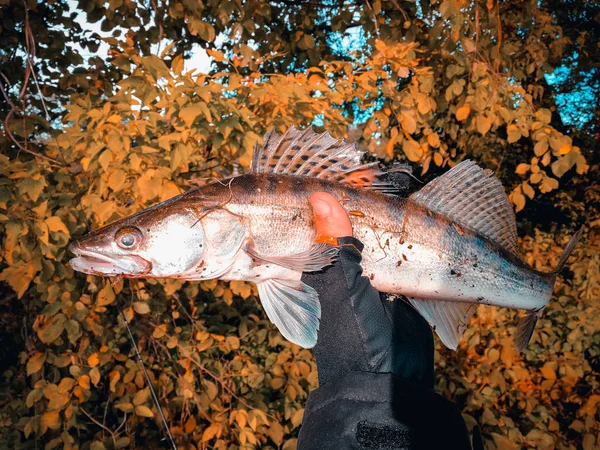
134 127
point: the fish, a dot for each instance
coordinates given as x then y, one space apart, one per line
446 248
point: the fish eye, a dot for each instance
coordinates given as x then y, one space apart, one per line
129 237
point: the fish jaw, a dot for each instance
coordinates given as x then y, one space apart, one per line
96 262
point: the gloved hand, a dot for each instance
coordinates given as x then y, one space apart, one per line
374 359
359 329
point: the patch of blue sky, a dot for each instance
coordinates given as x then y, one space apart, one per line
319 120
351 44
576 107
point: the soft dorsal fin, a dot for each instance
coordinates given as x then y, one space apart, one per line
309 154
474 198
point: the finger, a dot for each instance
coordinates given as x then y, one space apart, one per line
331 219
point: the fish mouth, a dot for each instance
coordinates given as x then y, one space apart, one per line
98 263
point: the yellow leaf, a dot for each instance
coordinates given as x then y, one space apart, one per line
141 396
106 295
518 199
94 359
65 385
159 331
189 113
565 148
177 65
84 381
149 185
514 134
493 355
57 400
522 168
463 112
548 372
95 376
35 362
527 189
433 140
125 407
210 432
413 150
143 411
484 124
50 419
276 433
589 442
535 178
548 184
19 277
141 307
409 124
114 376
55 224
297 417
116 179
190 425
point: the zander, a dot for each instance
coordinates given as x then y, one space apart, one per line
448 247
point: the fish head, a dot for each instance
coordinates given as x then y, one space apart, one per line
165 241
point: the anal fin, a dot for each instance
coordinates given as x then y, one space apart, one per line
315 258
525 329
448 319
294 308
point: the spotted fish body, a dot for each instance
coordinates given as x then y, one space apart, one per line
447 248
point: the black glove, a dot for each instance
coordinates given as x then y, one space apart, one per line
375 364
360 330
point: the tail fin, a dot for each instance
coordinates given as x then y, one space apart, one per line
568 250
527 323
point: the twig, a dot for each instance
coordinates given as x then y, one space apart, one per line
374 17
112 434
499 35
224 386
309 3
148 381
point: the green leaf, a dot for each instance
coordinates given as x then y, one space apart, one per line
52 329
32 187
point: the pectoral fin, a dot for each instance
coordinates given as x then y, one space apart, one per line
448 319
294 308
315 258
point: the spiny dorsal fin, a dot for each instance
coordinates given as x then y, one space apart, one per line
474 198
309 154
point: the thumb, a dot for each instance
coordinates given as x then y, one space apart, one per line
331 219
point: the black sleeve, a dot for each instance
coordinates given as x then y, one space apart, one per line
355 332
375 366
365 410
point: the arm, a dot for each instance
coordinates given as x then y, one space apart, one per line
374 357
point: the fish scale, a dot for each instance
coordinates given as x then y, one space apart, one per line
447 248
